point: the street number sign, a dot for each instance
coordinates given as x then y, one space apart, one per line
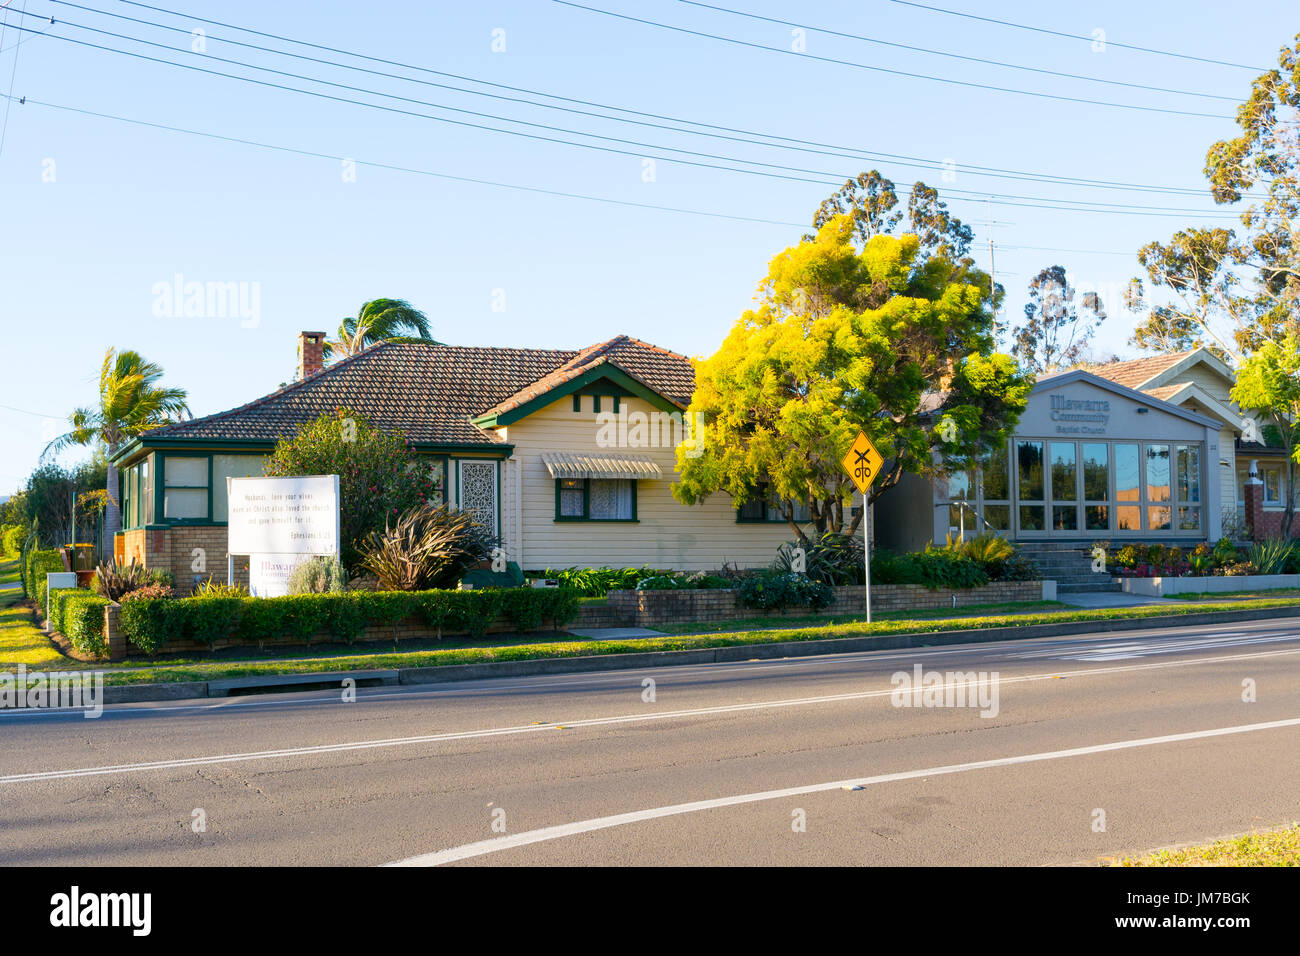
862 462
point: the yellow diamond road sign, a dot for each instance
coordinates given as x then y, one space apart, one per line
863 462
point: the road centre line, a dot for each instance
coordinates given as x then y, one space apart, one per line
182 762
528 837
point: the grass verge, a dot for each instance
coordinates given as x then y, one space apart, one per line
21 641
156 672
1236 595
1272 848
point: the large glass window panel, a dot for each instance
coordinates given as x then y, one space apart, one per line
1065 518
1096 471
1189 519
994 477
1031 517
231 466
998 517
186 492
1064 472
1096 517
1128 484
1158 518
1128 518
187 472
185 503
1158 488
959 486
1029 464
1189 473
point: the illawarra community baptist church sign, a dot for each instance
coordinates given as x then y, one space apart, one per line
1080 416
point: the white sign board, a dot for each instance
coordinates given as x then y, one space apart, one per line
268 574
283 516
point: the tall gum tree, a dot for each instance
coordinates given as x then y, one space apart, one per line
885 339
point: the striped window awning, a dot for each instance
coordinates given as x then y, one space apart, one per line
575 465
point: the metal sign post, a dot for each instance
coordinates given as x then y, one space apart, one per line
866 550
862 462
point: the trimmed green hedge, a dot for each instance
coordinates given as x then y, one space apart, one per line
150 623
78 614
37 565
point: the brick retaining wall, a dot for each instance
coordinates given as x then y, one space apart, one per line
647 608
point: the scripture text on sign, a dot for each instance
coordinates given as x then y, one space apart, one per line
284 515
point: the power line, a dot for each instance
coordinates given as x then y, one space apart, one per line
406 169
828 178
4 127
881 69
800 145
959 56
1074 36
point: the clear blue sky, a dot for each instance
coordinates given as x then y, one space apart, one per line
132 206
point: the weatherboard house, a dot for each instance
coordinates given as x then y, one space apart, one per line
1150 450
567 456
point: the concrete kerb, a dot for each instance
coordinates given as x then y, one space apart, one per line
708 655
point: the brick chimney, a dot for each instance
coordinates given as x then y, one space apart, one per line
311 353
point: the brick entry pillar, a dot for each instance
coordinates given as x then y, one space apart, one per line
1254 495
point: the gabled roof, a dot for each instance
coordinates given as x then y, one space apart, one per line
431 392
1145 398
1147 374
665 373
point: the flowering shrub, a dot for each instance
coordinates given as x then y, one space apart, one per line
380 474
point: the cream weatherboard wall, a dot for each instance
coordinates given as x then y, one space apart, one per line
667 534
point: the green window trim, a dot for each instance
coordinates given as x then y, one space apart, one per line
586 504
577 402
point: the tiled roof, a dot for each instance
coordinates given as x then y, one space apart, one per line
431 392
662 371
1136 371
1165 392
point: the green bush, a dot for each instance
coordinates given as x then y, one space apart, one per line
773 590
323 574
150 623
78 614
934 568
835 558
597 582
11 540
39 564
1272 556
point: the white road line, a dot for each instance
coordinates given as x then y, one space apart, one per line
180 762
497 844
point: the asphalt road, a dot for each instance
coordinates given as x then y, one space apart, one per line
1100 746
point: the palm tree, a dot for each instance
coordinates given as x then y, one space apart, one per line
130 402
376 321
